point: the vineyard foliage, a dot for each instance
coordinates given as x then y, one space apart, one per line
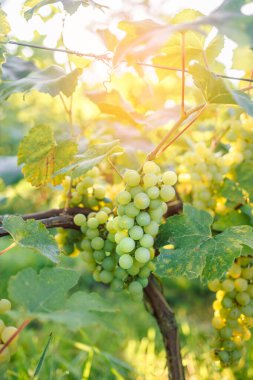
159 119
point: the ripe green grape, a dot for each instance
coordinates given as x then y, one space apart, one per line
79 219
131 177
5 306
127 245
141 201
151 167
126 261
142 255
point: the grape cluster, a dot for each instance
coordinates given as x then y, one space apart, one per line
201 172
86 191
117 243
233 311
140 209
5 333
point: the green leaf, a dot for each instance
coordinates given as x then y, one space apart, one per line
215 90
91 157
233 193
43 356
31 234
17 68
43 292
244 176
4 25
51 80
45 296
42 156
233 218
196 252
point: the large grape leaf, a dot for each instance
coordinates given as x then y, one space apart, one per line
51 80
17 68
45 296
196 252
42 156
215 90
31 234
91 157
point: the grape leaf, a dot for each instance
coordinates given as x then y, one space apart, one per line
245 176
42 156
233 218
196 252
4 25
216 90
49 301
17 68
31 234
91 157
233 193
51 80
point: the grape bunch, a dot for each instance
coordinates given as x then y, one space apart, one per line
233 311
140 209
89 191
5 333
201 172
117 243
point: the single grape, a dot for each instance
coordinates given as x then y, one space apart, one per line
97 243
127 245
136 232
125 261
143 219
99 192
99 256
152 228
92 233
150 180
5 306
227 285
79 219
241 284
243 298
92 223
141 201
169 178
8 332
151 167
167 193
147 241
124 197
131 177
109 263
142 255
135 287
131 210
153 192
106 277
102 217
217 323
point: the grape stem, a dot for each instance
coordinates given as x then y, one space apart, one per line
166 321
8 248
152 155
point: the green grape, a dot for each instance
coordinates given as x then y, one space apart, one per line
169 178
131 210
106 277
142 255
99 192
152 228
151 167
155 203
131 177
167 193
124 197
247 273
5 306
109 246
92 233
136 232
99 256
125 222
116 284
144 272
153 192
87 182
135 287
143 282
241 284
235 271
141 201
214 285
97 243
120 235
88 257
126 261
135 190
7 333
102 217
121 210
127 245
121 274
109 263
226 332
147 241
85 245
157 214
227 285
79 219
5 355
92 223
134 270
150 180
143 219
243 298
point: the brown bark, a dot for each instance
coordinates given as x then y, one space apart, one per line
166 321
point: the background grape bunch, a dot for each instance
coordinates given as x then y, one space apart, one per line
233 311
